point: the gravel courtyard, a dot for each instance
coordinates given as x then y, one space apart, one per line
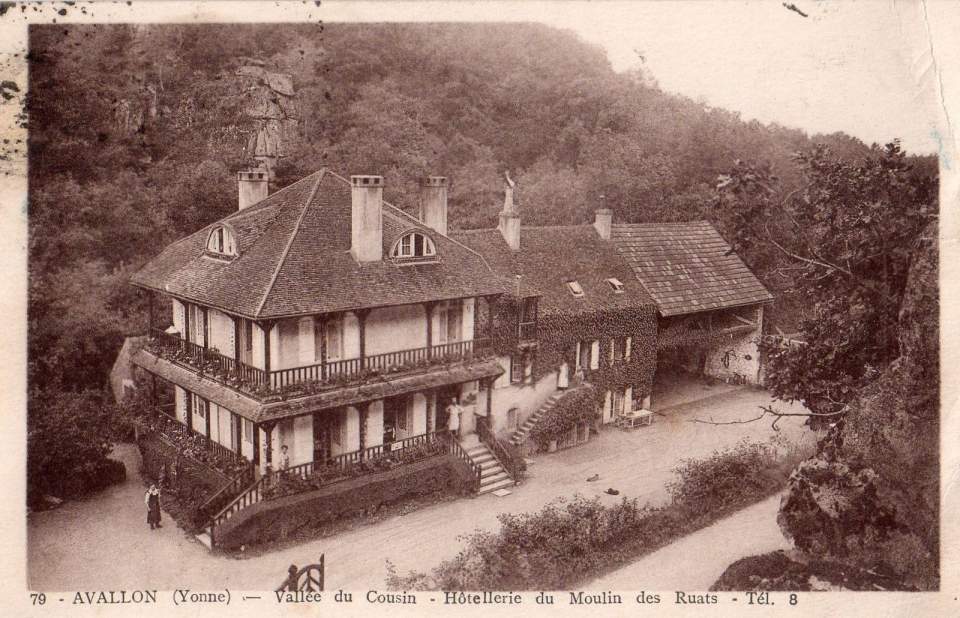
104 541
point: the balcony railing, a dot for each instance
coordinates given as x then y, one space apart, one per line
231 372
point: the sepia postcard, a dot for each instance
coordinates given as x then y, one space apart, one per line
435 308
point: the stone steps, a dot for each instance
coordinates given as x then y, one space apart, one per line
520 435
492 475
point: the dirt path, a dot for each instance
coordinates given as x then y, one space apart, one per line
696 561
104 541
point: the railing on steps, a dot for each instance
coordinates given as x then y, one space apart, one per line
226 494
461 455
308 579
508 457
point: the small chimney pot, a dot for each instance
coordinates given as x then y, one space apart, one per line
252 187
366 221
433 203
603 223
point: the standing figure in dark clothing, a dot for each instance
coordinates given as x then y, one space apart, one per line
152 500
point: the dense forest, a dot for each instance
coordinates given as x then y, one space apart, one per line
136 133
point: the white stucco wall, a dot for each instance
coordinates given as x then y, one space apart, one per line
246 447
351 336
391 329
179 316
526 397
221 332
257 347
469 315
419 415
374 435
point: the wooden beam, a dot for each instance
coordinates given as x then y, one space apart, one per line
321 322
429 307
362 322
236 339
206 415
744 320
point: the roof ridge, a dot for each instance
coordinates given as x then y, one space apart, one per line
293 236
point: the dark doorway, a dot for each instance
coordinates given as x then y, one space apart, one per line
324 424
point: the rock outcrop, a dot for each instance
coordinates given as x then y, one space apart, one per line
270 102
870 495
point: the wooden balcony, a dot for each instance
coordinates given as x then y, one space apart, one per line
257 382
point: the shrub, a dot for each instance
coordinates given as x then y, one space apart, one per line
568 542
69 438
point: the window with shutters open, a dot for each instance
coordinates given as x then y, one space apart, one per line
248 431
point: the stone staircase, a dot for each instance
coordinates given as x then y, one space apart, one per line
520 435
493 476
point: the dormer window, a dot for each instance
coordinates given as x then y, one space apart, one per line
414 245
616 284
222 242
575 288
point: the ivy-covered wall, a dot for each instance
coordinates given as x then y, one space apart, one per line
559 334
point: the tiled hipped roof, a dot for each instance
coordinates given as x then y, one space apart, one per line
687 267
551 256
294 259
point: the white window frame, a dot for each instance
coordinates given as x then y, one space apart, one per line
575 288
616 284
222 242
405 247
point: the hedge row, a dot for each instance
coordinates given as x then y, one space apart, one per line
277 520
570 542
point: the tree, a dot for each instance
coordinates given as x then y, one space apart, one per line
69 436
845 238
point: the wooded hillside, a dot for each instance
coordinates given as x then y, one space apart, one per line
136 133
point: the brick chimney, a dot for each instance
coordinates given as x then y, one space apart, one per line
603 222
433 203
510 217
252 187
366 222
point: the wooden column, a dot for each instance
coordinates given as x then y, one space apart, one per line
322 325
362 321
268 455
150 314
429 307
364 410
266 327
206 326
256 444
490 403
185 335
430 404
189 397
238 432
236 340
154 395
491 307
206 416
